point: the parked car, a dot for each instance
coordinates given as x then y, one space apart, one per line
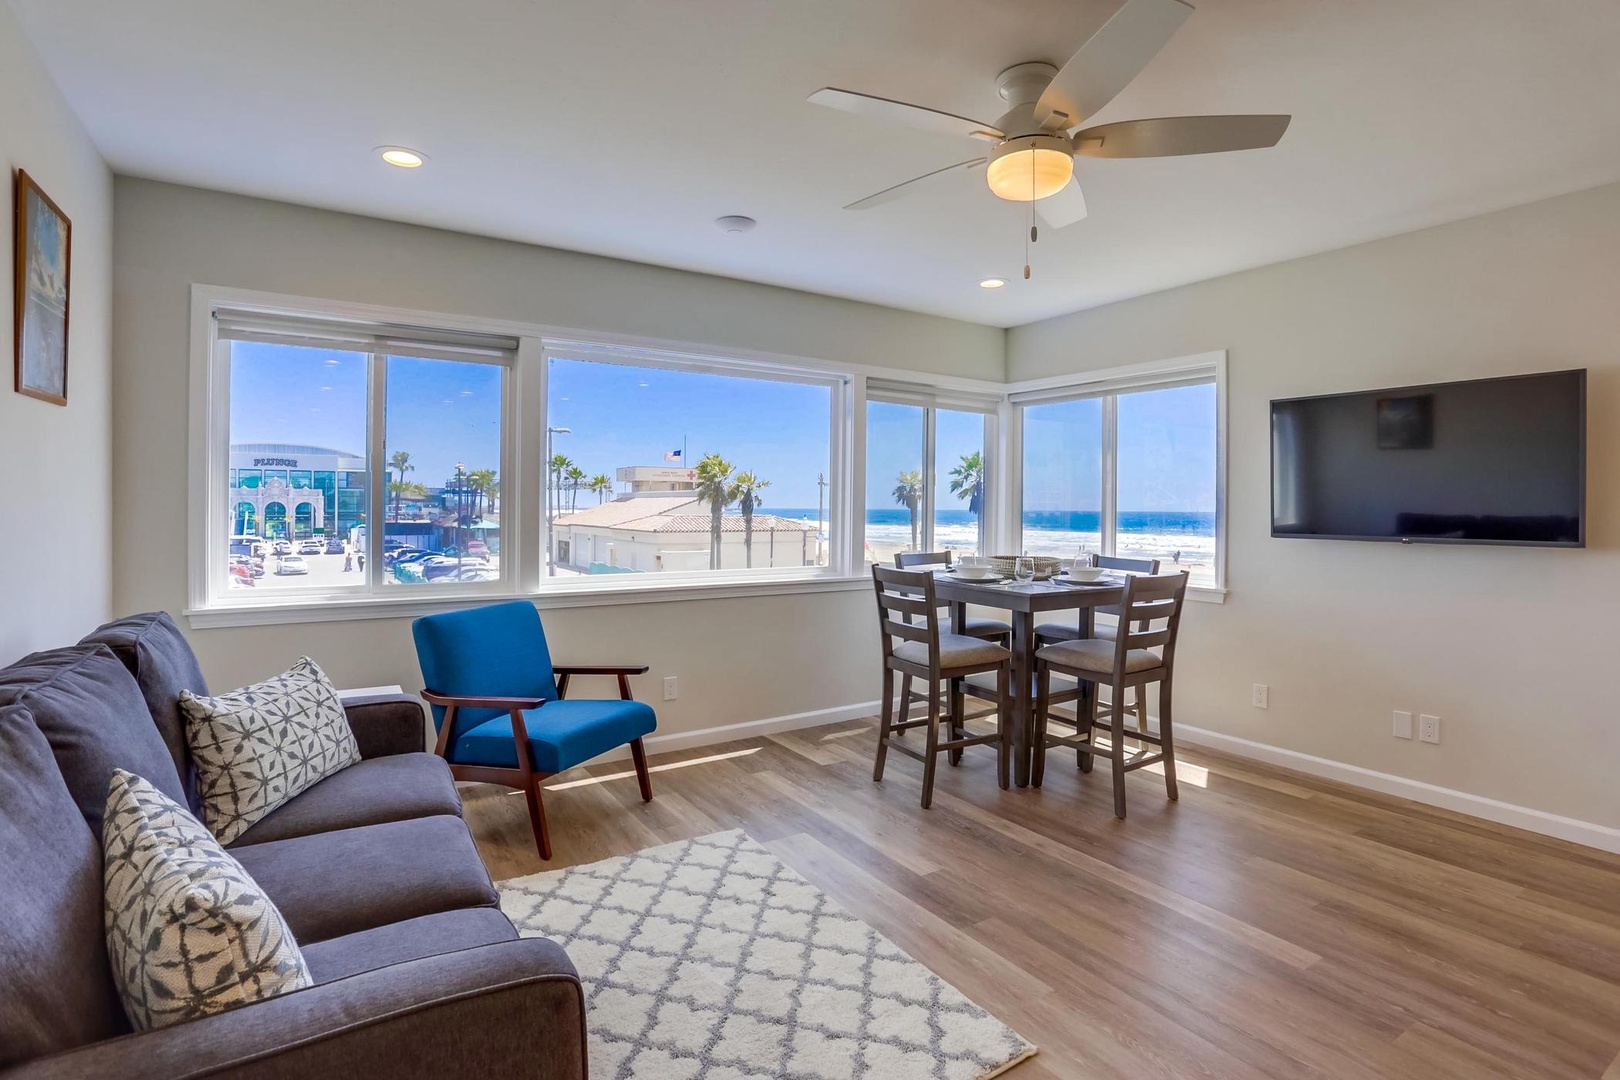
477 547
292 564
241 575
334 546
281 547
312 547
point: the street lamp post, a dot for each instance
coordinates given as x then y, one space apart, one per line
461 491
551 542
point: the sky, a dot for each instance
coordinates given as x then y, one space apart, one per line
444 412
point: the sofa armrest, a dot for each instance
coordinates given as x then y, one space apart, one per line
387 724
513 1010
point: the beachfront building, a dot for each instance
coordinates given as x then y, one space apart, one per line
295 491
659 524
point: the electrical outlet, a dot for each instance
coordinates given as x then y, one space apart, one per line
1262 696
669 688
1403 724
1429 728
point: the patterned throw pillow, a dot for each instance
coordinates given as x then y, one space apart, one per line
189 934
257 747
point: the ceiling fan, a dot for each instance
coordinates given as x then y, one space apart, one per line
1038 138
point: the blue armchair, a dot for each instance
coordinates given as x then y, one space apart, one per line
499 704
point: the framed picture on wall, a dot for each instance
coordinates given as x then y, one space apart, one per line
44 250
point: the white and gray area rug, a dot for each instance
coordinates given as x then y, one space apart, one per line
710 959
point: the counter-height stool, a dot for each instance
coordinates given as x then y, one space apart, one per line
1150 618
1049 632
915 649
996 630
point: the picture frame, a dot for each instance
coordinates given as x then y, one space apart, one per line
1406 423
43 242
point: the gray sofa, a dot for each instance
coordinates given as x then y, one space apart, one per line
417 973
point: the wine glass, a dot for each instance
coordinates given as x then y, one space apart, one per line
1023 568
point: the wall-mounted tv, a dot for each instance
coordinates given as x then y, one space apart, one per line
1489 461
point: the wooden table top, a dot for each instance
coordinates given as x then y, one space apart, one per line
1027 596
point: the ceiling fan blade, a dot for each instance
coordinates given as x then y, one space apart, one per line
1173 136
889 194
900 112
1065 208
1113 56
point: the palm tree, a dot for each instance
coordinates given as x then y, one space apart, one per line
577 478
602 485
400 462
714 487
967 482
483 484
560 464
908 492
745 489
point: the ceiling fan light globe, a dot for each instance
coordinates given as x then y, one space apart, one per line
1030 169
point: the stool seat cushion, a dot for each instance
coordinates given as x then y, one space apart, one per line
983 627
955 650
1090 654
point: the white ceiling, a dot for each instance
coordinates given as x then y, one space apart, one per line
624 127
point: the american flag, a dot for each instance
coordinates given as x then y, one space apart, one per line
674 455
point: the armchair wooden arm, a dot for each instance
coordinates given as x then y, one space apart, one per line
465 702
622 672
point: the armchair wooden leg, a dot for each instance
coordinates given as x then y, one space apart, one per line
537 817
638 752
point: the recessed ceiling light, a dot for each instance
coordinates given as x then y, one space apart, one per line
992 283
401 156
734 223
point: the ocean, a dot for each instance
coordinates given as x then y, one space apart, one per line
1181 537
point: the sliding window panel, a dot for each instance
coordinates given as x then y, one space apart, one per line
1166 461
896 502
1062 497
297 425
960 478
657 468
442 460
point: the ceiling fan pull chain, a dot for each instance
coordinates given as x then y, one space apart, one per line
1031 239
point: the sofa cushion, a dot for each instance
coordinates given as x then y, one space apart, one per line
562 734
342 882
92 713
189 933
157 654
429 935
368 792
258 747
56 990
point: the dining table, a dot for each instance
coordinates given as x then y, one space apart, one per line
1023 600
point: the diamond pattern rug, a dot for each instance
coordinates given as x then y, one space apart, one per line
710 959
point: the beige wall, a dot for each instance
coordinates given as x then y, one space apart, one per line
55 547
738 660
1515 649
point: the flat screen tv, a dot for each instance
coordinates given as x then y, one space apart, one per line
1489 461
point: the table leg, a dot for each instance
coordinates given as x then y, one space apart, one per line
1023 664
958 618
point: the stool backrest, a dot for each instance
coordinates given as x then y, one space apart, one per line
907 609
907 560
1133 566
1150 615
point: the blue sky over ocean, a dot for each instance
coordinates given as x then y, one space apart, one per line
444 413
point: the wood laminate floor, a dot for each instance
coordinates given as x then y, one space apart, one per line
1267 925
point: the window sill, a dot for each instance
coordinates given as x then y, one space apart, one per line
1206 594
549 599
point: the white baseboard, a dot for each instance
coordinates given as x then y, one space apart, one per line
1587 833
746 729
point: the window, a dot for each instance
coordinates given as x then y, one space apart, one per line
685 467
331 427
927 478
1128 467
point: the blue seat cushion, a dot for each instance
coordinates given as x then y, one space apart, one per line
561 734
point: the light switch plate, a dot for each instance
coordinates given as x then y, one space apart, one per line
1403 724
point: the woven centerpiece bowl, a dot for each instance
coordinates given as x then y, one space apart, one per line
1045 565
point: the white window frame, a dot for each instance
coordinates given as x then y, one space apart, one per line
931 400
840 453
523 471
1108 384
